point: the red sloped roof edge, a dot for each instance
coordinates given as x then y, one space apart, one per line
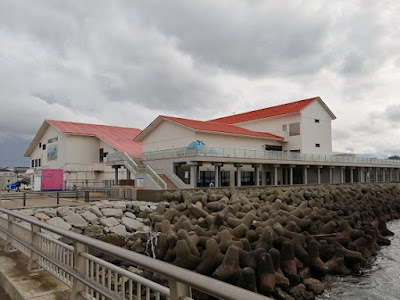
220 127
120 138
267 112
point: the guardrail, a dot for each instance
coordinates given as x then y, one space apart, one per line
261 154
143 169
94 278
31 196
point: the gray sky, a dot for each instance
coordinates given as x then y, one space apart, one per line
125 62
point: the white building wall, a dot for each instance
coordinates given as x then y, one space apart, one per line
167 136
313 133
274 125
50 133
234 141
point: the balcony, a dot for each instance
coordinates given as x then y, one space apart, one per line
260 155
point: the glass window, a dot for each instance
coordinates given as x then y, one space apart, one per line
284 127
294 129
316 120
44 146
33 163
317 145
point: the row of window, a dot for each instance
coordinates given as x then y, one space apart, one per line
36 163
42 146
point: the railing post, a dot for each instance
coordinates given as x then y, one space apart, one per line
58 198
24 199
80 266
9 247
87 200
35 241
178 290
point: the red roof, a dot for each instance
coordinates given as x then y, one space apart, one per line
120 138
217 127
273 111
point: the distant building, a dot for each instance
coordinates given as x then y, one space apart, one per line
79 150
7 176
280 145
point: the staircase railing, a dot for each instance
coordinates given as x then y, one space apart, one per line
135 168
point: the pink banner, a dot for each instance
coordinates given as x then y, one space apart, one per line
52 179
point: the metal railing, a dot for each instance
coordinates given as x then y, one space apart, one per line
135 168
24 197
262 154
95 278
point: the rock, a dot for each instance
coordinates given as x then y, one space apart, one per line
51 212
27 212
42 217
94 231
59 222
109 222
64 211
95 210
76 221
120 230
89 216
112 212
131 224
129 214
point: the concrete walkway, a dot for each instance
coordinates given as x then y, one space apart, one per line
20 284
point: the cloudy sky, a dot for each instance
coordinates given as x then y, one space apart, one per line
125 62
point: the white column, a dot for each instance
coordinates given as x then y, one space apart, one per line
362 175
275 175
291 175
376 174
238 175
257 177
391 175
318 174
342 175
216 176
384 175
193 176
351 175
305 180
331 175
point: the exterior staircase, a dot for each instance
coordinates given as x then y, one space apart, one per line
170 184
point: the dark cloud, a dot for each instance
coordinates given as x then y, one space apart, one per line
125 62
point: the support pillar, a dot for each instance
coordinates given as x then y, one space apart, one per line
216 176
362 175
319 174
351 175
331 175
291 175
116 168
342 175
305 179
238 175
276 174
384 175
257 171
193 176
376 174
368 177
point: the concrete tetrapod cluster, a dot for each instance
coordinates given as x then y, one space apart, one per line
279 242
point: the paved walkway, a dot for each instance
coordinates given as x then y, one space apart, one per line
19 283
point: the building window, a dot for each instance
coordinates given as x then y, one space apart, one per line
36 162
40 145
102 154
294 129
316 120
33 163
284 127
295 151
317 145
39 162
44 146
272 148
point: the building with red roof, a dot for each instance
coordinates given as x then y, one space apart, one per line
79 150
